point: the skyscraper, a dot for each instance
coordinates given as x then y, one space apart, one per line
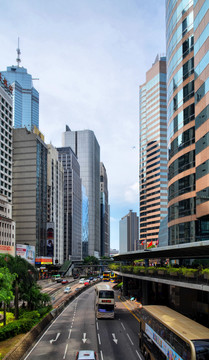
188 102
153 153
104 212
86 148
6 138
129 232
25 96
201 64
72 204
55 211
30 189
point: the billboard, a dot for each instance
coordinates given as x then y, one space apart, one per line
7 249
26 252
50 239
43 260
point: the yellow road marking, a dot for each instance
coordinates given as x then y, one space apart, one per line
129 309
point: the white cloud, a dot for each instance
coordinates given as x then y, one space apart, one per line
132 193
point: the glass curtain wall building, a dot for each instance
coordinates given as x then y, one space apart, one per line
85 223
153 153
25 98
187 68
87 149
201 65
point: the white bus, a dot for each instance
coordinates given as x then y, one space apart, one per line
104 301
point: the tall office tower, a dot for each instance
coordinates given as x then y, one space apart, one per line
128 232
201 64
30 189
85 223
55 206
25 96
181 122
104 212
86 148
153 153
6 139
72 204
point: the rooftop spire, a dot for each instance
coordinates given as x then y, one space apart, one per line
18 54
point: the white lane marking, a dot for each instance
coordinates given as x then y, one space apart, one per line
84 338
114 338
139 355
130 339
53 340
123 326
99 339
66 347
101 355
69 334
97 326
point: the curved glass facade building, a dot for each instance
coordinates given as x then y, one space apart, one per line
187 48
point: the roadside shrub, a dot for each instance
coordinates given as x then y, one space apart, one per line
45 310
127 269
137 269
33 316
14 328
9 317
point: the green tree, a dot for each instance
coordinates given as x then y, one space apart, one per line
91 260
26 277
35 299
6 283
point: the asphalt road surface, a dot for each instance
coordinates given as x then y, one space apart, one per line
76 328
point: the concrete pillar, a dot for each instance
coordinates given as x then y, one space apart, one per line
145 300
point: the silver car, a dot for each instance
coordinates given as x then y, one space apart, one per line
67 290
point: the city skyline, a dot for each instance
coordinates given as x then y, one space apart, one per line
90 61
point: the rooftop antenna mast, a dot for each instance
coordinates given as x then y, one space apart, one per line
18 54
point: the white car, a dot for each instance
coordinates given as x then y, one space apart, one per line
86 355
82 281
67 290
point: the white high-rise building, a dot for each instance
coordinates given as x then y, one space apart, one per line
6 139
55 210
86 147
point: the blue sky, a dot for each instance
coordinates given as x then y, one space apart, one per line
90 57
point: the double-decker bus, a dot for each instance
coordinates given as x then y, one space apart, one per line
166 334
104 301
106 275
113 277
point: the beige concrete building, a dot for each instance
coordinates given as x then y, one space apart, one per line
153 153
30 189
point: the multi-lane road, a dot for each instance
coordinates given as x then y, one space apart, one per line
77 328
